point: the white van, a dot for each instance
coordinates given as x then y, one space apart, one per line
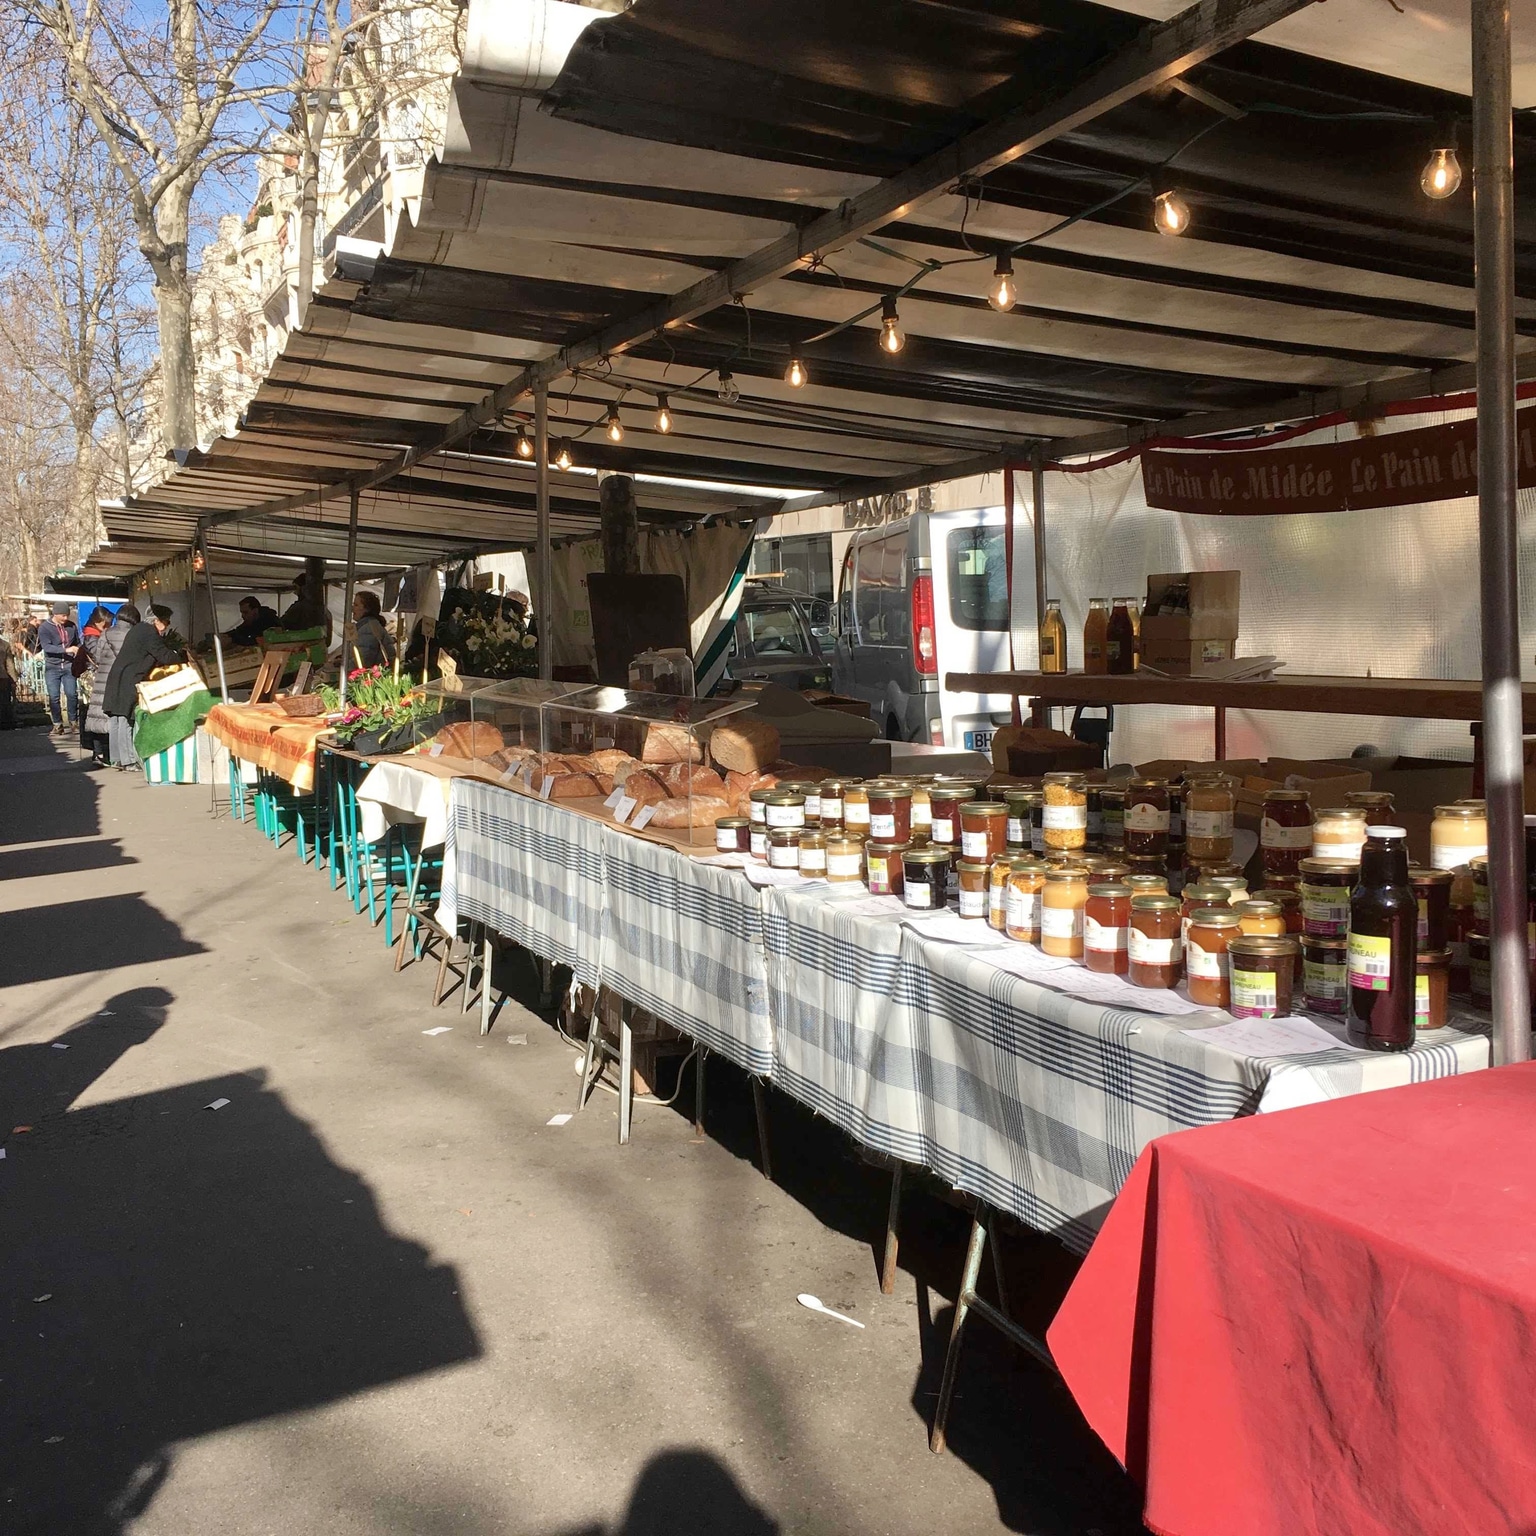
920 598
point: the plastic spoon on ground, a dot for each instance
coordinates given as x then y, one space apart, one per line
815 1304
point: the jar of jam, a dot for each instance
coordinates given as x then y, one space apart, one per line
733 834
997 889
758 837
922 811
926 875
1263 976
1147 885
784 847
1289 903
1260 918
1095 806
1106 928
1206 962
983 829
1325 888
1062 902
945 802
856 809
1113 804
811 793
1155 941
1432 996
890 812
1285 830
1482 897
972 877
1197 896
1433 889
1480 969
1325 975
1463 921
831 810
1217 869
1146 864
784 808
845 859
1022 918
884 866
1176 822
1103 869
813 854
1338 833
1209 807
1458 834
1019 803
1065 818
1376 803
1146 818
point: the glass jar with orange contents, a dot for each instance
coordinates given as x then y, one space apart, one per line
944 802
1199 895
1062 903
1106 928
1209 807
890 812
1289 903
1285 833
1022 913
971 878
1260 919
1206 962
997 888
856 809
1156 944
983 829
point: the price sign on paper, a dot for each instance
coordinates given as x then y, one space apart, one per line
435 750
613 799
644 818
623 807
546 786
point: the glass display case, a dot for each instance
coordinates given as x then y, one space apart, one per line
513 709
442 718
669 670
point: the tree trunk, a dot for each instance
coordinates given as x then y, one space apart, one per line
620 525
166 252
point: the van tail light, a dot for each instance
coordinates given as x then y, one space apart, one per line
936 733
925 654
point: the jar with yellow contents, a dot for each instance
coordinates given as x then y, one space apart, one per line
1063 901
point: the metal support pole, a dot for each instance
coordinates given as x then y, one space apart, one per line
1008 522
346 609
1040 716
213 611
1493 186
546 567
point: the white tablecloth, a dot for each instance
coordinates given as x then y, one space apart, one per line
392 794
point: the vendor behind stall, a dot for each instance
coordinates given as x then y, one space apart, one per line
255 619
373 643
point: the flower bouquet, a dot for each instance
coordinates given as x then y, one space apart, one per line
381 710
489 640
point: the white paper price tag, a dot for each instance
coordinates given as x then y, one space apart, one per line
435 750
613 799
622 807
643 819
546 786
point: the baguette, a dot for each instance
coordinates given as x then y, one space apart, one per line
744 744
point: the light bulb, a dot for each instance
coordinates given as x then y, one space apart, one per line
615 426
728 391
1004 292
563 455
795 374
1442 175
663 415
524 446
1170 213
892 337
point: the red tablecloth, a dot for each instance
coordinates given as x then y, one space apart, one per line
1324 1321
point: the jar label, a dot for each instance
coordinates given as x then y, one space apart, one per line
1273 835
1370 962
882 826
831 808
856 813
997 901
1065 818
918 894
1454 855
1016 831
1325 981
1348 852
1096 823
1208 964
1037 838
786 815
1253 993
758 813
1103 939
759 843
1421 1002
1325 911
1143 817
1482 903
877 880
1061 922
941 829
973 903
1149 951
922 813
1208 825
973 845
1023 909
725 839
1176 825
1423 922
846 866
813 861
813 805
787 857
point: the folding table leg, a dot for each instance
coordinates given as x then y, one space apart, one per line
469 971
760 1104
892 1222
626 1077
594 1030
485 986
699 1058
963 1304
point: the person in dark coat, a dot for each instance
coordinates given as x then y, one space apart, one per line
143 650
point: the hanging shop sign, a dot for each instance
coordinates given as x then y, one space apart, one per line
1394 470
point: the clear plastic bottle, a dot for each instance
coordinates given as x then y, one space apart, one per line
1053 638
1096 637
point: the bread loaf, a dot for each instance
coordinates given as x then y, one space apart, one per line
646 789
683 778
744 744
469 739
670 744
610 760
572 786
701 811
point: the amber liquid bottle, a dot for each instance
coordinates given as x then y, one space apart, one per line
1096 637
1053 638
1383 944
1120 638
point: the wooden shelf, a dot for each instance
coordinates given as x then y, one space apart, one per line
1406 698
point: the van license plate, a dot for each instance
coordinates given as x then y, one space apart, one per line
978 741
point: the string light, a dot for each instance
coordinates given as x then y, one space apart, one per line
524 445
663 415
562 454
615 426
727 390
1004 292
892 337
1442 175
795 375
1170 213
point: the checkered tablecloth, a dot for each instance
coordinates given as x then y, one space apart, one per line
528 871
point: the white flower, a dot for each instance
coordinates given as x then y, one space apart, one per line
473 642
529 641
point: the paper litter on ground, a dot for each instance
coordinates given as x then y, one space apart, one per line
217 1104
557 1119
442 1029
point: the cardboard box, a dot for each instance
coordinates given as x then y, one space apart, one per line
1185 643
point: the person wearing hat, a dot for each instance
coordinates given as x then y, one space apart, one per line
143 649
58 639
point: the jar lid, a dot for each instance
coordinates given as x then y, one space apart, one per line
1022 796
843 842
1470 800
1256 908
973 867
1278 897
1343 813
985 808
762 796
731 822
1336 946
1214 917
1434 959
784 797
886 850
1111 794
1109 888
1211 893
1463 810
1390 834
925 855
1148 783
1074 779
1066 872
782 835
1024 862
890 791
1479 863
1155 901
1264 946
1367 797
1328 867
1228 882
1108 869
951 791
1431 876
1210 869
1147 882
1287 794
813 839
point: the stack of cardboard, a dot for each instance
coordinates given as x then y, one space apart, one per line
1198 628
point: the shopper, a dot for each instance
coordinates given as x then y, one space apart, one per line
10 672
59 639
143 649
102 640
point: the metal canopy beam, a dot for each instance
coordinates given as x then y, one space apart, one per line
1157 54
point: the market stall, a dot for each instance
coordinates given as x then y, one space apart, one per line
277 742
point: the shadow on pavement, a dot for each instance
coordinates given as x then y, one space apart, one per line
170 1270
63 859
66 809
98 933
687 1493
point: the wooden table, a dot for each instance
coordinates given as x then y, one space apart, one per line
1405 698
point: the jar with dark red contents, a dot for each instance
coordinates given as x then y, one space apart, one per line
1106 928
1095 809
1263 976
1431 999
983 829
1325 974
890 812
926 876
1326 885
883 868
1285 832
1112 802
1146 819
733 834
1433 889
1480 969
945 802
1156 941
